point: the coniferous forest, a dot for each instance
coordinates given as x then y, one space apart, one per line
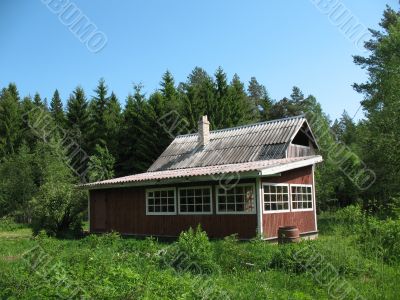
49 146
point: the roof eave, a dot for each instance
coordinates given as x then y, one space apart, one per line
291 166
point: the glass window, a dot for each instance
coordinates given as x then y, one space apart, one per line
195 200
236 199
160 201
301 197
276 197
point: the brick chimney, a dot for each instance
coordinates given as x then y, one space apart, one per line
204 131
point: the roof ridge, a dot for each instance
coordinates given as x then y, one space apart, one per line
244 126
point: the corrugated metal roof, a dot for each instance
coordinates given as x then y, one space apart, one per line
264 165
255 142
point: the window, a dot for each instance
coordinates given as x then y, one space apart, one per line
301 196
276 197
237 199
160 201
195 200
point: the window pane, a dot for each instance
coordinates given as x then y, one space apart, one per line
231 207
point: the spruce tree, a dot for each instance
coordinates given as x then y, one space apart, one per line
198 98
56 109
260 98
37 100
98 107
79 127
10 120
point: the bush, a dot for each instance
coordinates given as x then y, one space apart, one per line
351 217
58 206
8 224
232 255
192 252
381 239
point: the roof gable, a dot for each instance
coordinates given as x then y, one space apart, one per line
249 143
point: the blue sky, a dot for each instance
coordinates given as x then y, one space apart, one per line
281 43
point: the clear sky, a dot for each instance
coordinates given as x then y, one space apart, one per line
281 43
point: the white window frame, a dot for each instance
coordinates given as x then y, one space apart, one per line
236 212
263 198
312 197
160 213
195 213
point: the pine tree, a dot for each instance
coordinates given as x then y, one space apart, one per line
56 109
380 131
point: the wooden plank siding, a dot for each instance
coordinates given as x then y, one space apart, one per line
125 210
304 220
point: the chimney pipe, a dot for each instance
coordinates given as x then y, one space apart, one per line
204 131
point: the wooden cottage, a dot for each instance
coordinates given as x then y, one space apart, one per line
245 180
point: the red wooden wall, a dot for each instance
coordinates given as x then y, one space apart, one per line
124 210
304 220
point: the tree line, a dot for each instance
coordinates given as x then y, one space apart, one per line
97 138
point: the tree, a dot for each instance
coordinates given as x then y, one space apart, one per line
290 107
10 120
98 107
101 165
218 108
169 92
56 109
241 109
57 207
259 96
380 131
197 95
79 125
135 127
18 184
37 100
112 124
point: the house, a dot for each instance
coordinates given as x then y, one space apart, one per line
245 180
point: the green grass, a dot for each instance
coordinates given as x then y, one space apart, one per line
111 267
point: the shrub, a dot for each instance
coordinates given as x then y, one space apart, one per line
351 217
381 239
192 252
8 224
231 255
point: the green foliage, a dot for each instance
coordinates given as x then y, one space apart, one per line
8 224
108 266
193 252
101 165
10 121
18 185
56 109
380 131
381 239
57 206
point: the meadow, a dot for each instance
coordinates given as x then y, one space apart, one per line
355 257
